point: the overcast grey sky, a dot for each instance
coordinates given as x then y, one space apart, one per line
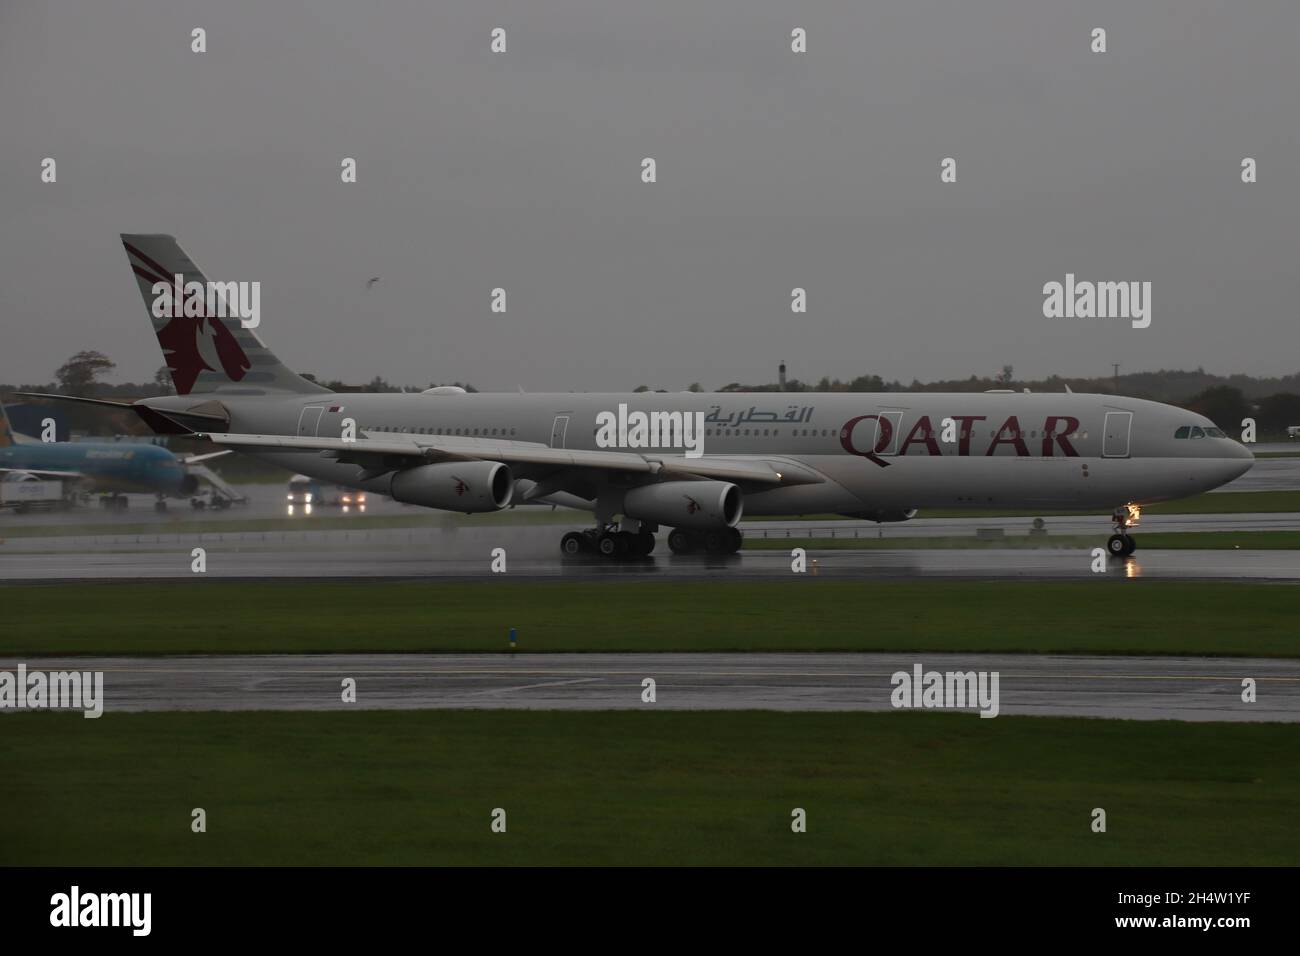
775 169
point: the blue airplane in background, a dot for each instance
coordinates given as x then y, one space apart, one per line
112 468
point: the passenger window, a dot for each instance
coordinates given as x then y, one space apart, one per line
1183 432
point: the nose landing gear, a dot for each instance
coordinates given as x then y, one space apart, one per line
1121 544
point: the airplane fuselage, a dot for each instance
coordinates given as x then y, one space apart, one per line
877 451
117 467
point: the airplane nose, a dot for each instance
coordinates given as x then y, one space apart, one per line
1238 459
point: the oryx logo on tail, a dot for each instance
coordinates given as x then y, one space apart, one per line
191 344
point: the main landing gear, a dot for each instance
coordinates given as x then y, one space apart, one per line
1121 544
608 542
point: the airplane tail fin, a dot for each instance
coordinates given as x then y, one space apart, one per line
204 350
9 437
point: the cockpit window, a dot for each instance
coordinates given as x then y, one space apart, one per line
1197 432
1183 432
1215 433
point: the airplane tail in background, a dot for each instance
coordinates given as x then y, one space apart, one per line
204 352
9 437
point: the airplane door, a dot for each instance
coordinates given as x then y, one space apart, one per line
558 431
309 420
1114 441
887 427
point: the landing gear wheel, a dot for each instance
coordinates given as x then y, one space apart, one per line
1120 545
642 544
735 539
612 545
715 542
1132 545
681 542
573 543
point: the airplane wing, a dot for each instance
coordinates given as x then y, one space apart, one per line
45 472
378 455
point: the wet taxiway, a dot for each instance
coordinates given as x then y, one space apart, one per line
532 552
1142 688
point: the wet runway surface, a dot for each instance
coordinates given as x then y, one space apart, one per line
1142 688
532 552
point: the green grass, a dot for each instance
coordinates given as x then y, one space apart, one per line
1147 541
187 523
804 613
1222 502
413 788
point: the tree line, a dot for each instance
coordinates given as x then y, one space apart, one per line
1274 403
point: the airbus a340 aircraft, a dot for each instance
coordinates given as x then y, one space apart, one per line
692 462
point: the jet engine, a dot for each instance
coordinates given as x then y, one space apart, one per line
465 486
885 515
686 504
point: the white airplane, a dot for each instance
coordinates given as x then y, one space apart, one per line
692 462
1293 431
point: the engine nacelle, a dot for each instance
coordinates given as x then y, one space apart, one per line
686 504
465 486
885 515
